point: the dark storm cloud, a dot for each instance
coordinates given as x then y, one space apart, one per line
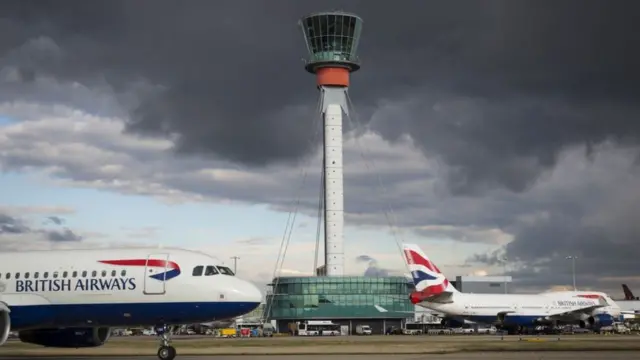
496 89
596 223
12 225
56 220
65 235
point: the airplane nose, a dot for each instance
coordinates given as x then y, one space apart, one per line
247 292
253 294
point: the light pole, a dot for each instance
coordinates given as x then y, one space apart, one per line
573 259
235 264
504 272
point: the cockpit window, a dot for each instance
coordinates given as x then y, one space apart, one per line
210 270
225 270
197 271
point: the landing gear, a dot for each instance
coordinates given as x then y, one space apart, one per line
166 351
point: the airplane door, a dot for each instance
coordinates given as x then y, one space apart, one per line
155 272
467 309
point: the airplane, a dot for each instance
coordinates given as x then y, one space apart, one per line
509 311
72 298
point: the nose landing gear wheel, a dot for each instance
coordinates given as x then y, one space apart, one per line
166 353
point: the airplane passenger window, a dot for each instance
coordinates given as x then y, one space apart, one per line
26 275
94 273
123 272
55 274
211 270
225 270
7 276
104 273
17 275
65 274
45 275
74 274
197 271
36 274
84 273
113 273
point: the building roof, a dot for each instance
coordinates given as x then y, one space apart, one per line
484 278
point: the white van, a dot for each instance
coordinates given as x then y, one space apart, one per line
363 330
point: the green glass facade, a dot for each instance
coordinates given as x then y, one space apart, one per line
348 297
332 37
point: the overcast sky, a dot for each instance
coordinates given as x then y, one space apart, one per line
497 128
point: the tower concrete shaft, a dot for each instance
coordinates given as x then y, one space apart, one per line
332 40
333 106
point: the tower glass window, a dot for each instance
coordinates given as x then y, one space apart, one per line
332 36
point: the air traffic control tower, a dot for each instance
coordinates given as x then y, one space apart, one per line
332 41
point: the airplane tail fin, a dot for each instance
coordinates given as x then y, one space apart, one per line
427 278
628 295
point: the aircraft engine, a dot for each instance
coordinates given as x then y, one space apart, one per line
601 320
597 321
5 323
66 338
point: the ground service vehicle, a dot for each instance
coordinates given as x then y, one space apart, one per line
363 330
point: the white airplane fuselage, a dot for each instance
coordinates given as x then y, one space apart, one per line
525 309
435 292
118 287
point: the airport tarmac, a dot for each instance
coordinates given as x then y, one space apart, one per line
275 341
529 355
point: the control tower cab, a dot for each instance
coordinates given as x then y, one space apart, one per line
332 41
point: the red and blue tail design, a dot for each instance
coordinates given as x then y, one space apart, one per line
427 278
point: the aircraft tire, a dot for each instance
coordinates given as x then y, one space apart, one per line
166 353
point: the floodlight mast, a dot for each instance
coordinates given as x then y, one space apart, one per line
332 40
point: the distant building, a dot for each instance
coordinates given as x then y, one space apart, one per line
483 284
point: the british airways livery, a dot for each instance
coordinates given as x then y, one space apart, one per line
72 298
510 311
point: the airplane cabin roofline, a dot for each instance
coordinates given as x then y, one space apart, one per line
151 250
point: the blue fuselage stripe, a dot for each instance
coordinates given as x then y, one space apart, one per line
124 314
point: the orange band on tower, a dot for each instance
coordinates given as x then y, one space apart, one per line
333 76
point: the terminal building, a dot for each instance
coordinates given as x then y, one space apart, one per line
345 300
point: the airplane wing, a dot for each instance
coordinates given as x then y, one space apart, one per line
383 310
434 313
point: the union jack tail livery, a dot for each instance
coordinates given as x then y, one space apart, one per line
427 278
